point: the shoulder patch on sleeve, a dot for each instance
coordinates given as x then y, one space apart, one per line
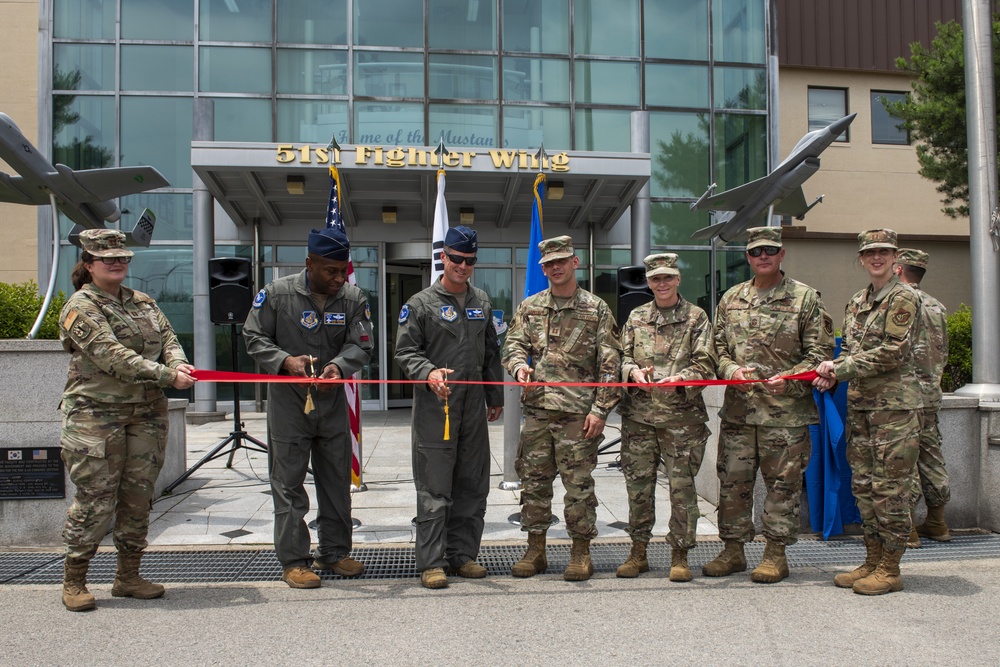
828 324
404 313
258 300
899 319
70 318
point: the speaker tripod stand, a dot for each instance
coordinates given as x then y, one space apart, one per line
237 438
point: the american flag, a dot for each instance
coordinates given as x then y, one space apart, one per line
334 218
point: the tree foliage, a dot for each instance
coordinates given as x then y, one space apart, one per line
934 114
958 370
19 306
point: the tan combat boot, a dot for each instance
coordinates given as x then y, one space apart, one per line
580 566
934 526
533 561
873 547
913 541
75 595
773 567
636 563
885 578
434 578
679 570
729 560
128 583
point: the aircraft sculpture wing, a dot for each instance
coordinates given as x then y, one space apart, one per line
105 184
735 199
792 205
10 193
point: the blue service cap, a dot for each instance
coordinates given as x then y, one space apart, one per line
330 243
462 239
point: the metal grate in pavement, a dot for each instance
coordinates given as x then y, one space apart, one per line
251 565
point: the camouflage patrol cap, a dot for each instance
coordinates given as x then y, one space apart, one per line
560 247
104 243
913 257
764 236
876 238
663 264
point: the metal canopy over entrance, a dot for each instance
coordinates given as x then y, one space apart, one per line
288 184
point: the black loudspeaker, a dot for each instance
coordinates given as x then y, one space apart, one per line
632 290
230 289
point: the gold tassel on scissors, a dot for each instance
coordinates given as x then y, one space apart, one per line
310 406
447 422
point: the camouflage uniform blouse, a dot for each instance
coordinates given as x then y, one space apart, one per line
678 344
575 343
122 351
787 331
877 353
930 348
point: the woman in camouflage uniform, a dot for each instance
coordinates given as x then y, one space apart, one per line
114 433
883 411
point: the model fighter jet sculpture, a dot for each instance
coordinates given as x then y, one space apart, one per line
782 188
85 196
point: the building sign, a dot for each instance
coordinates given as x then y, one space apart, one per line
399 157
31 473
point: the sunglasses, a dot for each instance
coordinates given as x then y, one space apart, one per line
458 259
769 250
111 261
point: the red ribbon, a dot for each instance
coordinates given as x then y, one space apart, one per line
226 376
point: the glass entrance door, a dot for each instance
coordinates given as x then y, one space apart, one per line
401 283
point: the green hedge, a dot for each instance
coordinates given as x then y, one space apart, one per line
958 370
19 306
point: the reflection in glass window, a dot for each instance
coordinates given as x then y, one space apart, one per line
83 131
291 254
603 130
223 69
142 67
173 211
164 273
83 19
312 121
739 31
361 254
740 149
312 72
312 21
464 126
676 85
463 77
599 82
155 19
679 151
367 278
157 131
462 24
740 88
389 123
536 27
239 119
83 67
388 23
236 20
529 127
825 106
672 223
885 128
536 79
388 74
677 29
493 255
606 27
496 283
731 269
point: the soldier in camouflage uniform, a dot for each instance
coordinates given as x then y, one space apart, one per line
666 340
446 333
562 334
311 324
883 412
114 432
930 354
765 328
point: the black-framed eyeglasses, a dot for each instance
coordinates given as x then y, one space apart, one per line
769 250
111 261
458 259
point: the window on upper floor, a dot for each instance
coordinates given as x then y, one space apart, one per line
887 129
827 105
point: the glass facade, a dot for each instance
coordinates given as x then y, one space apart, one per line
481 73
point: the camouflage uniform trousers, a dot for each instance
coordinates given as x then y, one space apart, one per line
681 448
930 463
882 448
113 454
781 453
552 441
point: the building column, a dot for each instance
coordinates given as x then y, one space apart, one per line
204 248
641 222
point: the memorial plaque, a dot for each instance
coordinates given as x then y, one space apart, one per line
31 473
